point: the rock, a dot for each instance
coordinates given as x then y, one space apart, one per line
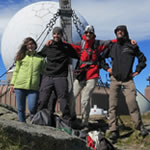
40 137
35 137
7 112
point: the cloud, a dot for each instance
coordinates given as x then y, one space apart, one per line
105 15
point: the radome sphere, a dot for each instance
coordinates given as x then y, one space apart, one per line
30 21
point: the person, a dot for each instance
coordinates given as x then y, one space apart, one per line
123 54
58 55
26 77
89 50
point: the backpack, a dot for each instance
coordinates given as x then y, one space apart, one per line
63 125
97 141
43 117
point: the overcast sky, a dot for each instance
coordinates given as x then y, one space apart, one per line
104 15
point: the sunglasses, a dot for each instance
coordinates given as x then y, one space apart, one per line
88 32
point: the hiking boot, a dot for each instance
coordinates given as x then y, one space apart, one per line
75 124
143 131
114 135
84 125
73 117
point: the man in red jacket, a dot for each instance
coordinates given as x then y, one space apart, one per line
89 51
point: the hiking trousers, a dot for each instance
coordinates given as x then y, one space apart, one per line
86 90
129 91
60 86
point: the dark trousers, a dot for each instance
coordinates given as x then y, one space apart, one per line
52 102
60 86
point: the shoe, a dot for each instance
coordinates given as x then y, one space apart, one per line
84 125
73 117
114 135
75 124
143 131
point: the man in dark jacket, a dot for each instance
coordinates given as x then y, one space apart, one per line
55 72
123 54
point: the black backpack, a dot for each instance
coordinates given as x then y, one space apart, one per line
43 117
63 124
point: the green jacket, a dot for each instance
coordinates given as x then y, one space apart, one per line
27 72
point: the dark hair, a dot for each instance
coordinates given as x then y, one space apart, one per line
58 30
23 48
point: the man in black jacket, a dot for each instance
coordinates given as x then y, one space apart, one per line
123 54
55 72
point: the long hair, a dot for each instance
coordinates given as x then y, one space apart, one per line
23 48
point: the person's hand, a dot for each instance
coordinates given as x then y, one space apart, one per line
11 89
134 74
109 70
49 43
133 42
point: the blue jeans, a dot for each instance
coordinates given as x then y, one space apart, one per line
32 97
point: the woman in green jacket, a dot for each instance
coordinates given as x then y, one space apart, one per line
26 77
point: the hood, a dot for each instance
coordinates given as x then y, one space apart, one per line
124 29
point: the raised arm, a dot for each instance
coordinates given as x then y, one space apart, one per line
77 47
72 51
103 44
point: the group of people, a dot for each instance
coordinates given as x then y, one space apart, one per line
38 78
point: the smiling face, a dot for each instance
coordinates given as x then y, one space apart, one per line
89 35
30 46
57 36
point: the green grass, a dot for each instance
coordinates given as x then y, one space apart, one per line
8 144
132 138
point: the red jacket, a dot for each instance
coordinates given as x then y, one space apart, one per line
93 70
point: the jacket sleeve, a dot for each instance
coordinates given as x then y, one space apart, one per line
72 51
15 73
77 48
42 65
103 44
102 57
43 51
141 60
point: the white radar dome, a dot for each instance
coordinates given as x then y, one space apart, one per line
30 21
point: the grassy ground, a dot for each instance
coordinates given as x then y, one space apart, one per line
129 138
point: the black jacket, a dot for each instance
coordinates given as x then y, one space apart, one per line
57 58
123 55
